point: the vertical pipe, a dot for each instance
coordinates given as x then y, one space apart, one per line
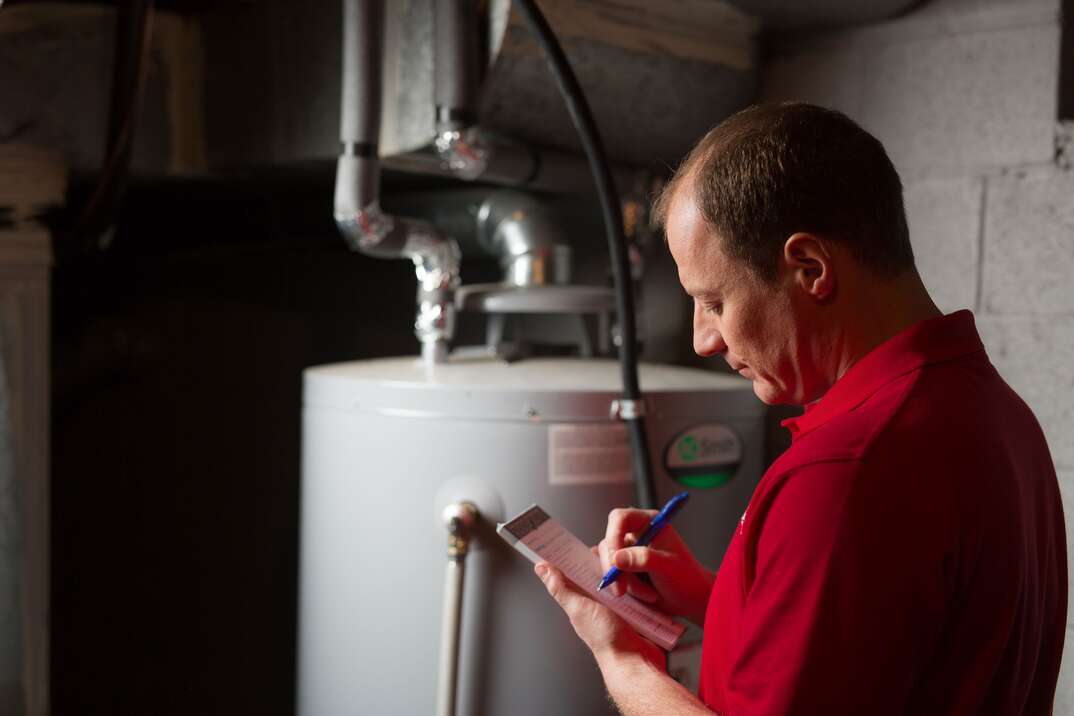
459 518
456 66
363 50
450 629
356 206
359 126
458 142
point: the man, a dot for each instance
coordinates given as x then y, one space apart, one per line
906 554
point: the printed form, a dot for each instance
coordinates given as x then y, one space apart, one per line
540 538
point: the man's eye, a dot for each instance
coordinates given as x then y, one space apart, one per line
716 308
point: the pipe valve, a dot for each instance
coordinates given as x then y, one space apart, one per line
459 518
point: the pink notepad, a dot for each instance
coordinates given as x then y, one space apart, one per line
542 539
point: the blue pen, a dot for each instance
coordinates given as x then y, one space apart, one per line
655 525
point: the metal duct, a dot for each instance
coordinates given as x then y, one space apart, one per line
671 69
528 241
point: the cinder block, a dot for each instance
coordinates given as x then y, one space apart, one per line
1066 490
1064 690
944 217
932 19
1029 244
960 16
957 103
830 78
1035 358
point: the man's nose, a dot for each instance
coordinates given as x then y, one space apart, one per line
708 340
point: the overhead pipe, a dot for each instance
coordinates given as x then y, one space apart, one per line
359 217
456 75
511 164
462 148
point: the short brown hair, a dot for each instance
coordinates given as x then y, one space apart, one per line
772 170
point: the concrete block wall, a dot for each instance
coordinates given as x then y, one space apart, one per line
963 93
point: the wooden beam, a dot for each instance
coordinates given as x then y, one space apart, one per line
709 31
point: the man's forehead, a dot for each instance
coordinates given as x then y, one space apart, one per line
701 274
690 237
693 246
686 227
700 281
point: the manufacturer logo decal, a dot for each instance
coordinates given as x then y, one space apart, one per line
704 455
687 448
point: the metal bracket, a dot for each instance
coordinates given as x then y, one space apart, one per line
628 409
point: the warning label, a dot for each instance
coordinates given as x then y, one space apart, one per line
580 454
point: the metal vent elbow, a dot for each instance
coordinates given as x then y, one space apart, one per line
356 205
527 239
368 229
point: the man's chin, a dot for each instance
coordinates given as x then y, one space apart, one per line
768 394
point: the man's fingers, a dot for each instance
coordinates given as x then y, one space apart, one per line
622 520
640 589
605 555
558 586
641 559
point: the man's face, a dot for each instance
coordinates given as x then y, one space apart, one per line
752 324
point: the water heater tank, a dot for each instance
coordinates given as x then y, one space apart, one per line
387 444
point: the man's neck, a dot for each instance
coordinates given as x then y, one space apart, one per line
879 312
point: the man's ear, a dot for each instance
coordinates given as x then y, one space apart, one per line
810 264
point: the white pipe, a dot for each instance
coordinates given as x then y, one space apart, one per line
459 518
450 629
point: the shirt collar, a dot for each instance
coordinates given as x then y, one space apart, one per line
934 340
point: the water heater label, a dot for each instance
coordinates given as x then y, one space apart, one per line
705 455
587 454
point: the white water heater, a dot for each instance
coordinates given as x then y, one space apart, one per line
387 444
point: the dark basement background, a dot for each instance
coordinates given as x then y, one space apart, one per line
177 360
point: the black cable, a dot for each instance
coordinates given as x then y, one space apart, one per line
134 23
582 117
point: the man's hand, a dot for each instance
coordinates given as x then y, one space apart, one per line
603 631
680 585
632 666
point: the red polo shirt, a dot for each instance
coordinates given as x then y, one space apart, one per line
906 555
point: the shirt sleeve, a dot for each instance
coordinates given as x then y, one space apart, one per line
843 595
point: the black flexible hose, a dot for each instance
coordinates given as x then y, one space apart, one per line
582 117
134 30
